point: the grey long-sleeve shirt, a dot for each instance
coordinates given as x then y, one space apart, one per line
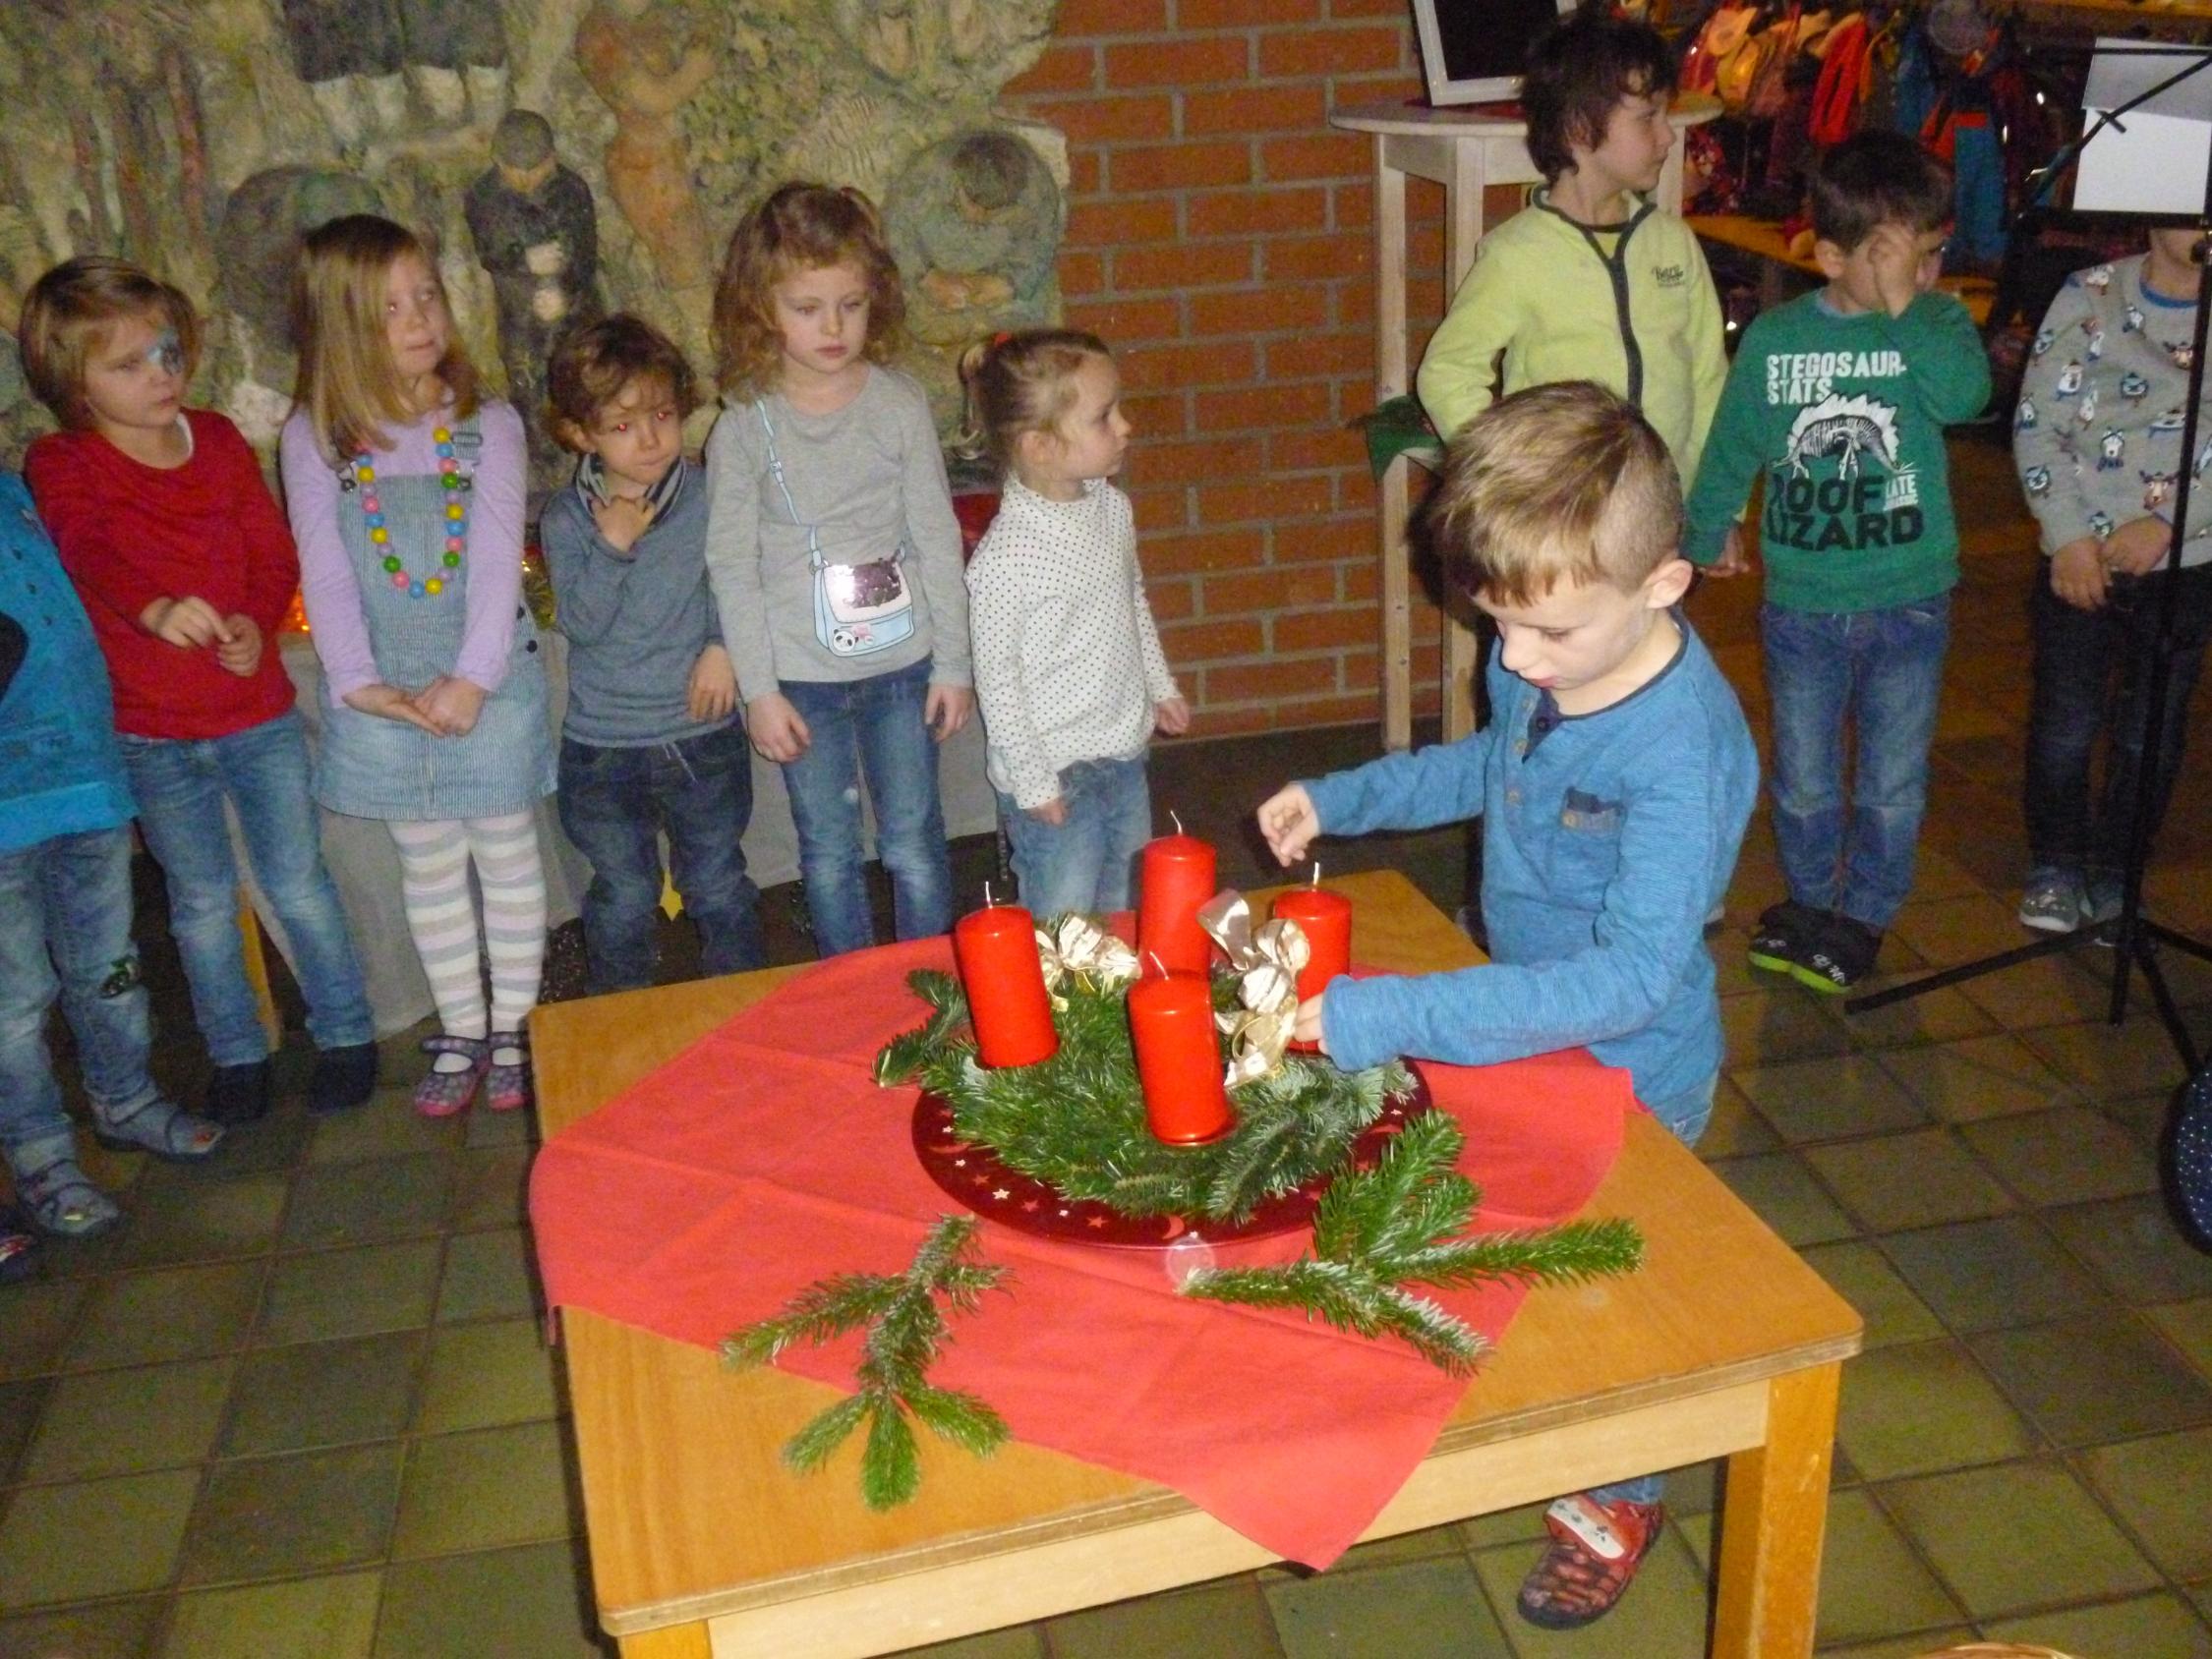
870 476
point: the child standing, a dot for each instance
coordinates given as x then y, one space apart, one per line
1843 396
835 556
406 493
1590 281
1068 662
648 743
1614 781
186 568
65 898
2098 438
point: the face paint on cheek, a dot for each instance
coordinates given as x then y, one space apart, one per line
166 354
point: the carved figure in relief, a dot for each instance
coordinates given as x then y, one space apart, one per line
645 59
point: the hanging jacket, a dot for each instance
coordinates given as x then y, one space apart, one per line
1834 115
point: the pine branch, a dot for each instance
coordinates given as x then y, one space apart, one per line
1445 1341
903 1057
1560 1255
890 1462
961 1418
817 1314
810 1447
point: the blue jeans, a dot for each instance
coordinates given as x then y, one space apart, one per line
615 802
1882 672
181 784
2076 655
872 727
66 905
1082 864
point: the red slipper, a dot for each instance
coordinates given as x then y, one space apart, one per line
1596 1549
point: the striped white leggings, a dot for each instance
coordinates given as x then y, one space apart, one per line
434 862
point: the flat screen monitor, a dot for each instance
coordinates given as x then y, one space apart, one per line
1473 51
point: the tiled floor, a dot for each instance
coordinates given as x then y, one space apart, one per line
298 1409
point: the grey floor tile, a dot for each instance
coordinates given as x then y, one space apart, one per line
101 1630
334 1617
1924 1406
1978 1275
353 1292
1431 1607
489 1275
265 1518
36 1321
1978 1077
2017 1538
1788 1197
82 1540
172 1314
121 1423
2160 1625
1862 1278
2068 1156
2161 1487
479 1375
1227 1616
206 1221
1830 1098
2134 1247
20 1403
523 1601
487 1488
2101 1376
374 1199
389 1126
1913 1180
490 1189
313 1395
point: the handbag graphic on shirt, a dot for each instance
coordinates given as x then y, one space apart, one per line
858 609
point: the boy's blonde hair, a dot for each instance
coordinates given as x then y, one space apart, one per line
1022 382
1563 480
800 227
591 367
67 317
346 381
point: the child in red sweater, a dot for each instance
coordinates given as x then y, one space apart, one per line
185 566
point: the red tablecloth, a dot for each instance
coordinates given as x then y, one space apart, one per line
765 1157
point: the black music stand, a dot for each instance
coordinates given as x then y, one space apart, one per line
2131 934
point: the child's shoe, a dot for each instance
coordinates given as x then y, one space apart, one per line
507 1086
160 1126
1785 934
2051 901
1841 954
1596 1549
343 1079
238 1094
443 1094
18 1247
63 1200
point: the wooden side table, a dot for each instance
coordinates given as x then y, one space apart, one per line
1465 151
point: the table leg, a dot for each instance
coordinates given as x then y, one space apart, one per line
670 1642
1771 1522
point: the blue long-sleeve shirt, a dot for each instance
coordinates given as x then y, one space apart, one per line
1610 836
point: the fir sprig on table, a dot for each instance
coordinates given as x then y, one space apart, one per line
1377 1231
906 1329
1077 1121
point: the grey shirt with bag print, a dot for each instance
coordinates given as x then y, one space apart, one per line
859 486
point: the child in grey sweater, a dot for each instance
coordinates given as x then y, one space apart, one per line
649 742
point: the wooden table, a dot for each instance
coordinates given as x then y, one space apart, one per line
1465 150
703 1544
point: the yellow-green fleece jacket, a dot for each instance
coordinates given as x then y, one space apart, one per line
1630 305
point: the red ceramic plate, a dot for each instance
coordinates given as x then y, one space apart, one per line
976 1178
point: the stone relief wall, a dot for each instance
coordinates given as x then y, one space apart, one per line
569 156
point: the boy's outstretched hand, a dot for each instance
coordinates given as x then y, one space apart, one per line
712 691
1309 1026
1289 822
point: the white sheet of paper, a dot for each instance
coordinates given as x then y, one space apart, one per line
2154 160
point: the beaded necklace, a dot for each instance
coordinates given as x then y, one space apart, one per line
455 485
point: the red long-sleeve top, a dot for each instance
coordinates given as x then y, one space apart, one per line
131 534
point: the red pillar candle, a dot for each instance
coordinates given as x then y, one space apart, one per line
1177 1056
1326 918
997 951
1175 876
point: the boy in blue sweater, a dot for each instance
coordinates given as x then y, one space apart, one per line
648 743
65 899
1615 779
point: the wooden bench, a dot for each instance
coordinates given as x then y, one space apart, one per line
1763 238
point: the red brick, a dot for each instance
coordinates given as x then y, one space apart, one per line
1329 155
1234 14
1159 510
1170 598
1092 120
1362 580
1257 212
1234 503
1342 537
1246 682
1207 549
1337 9
1178 167
1352 207
1110 223
1195 463
1312 451
1061 68
1086 173
1361 668
1424 248
1354 709
1273 589
1121 323
1213 642
1307 258
1319 630
1082 273
1347 353
1108 17
1326 51
1401 85
1230 722
1216 362
1154 419
1263 407
1355 303
1256 110
1182 264
1179 62
1260 310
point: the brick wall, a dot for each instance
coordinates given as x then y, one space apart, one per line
1220 240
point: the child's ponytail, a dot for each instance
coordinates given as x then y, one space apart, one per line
1017 384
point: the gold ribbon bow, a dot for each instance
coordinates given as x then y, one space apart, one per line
1080 945
1267 959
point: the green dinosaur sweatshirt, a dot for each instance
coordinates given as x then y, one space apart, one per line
1847 416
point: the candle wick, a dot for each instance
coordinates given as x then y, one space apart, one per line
1176 820
988 900
1156 962
1316 872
